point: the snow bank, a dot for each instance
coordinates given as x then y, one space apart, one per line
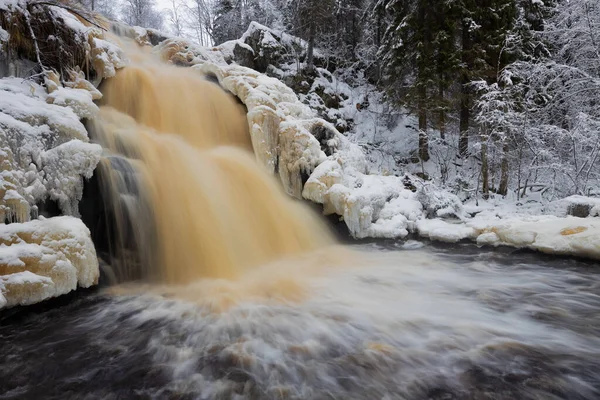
507 226
545 233
45 258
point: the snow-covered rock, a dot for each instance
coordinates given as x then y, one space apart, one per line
45 258
44 147
371 205
261 47
582 206
439 203
444 231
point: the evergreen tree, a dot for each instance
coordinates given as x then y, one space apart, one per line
227 21
419 57
311 20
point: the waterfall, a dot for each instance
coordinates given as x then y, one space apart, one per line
179 180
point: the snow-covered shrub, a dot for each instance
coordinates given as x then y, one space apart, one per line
439 203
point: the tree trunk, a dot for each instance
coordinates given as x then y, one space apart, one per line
442 121
423 139
485 185
465 114
311 46
503 187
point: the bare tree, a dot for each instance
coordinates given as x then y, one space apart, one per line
175 17
201 19
142 13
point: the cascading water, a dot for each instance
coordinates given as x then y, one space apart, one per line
187 197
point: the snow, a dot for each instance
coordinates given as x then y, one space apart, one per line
371 205
4 36
106 57
45 258
11 4
44 147
78 100
63 167
443 231
546 233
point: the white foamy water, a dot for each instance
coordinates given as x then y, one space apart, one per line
387 324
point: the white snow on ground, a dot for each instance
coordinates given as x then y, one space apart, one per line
45 258
508 226
549 234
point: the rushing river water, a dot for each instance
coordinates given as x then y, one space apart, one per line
396 322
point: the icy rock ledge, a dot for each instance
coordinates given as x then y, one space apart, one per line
310 157
45 258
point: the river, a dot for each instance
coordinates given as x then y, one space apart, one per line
393 321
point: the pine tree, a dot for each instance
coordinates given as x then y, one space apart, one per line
310 20
419 58
227 25
348 27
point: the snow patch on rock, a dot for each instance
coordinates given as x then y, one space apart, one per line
45 258
545 233
44 147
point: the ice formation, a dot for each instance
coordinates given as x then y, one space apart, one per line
45 153
45 258
280 126
44 147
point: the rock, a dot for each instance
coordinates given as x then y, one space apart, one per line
583 207
244 55
45 258
325 135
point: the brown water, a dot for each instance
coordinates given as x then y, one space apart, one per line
190 200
